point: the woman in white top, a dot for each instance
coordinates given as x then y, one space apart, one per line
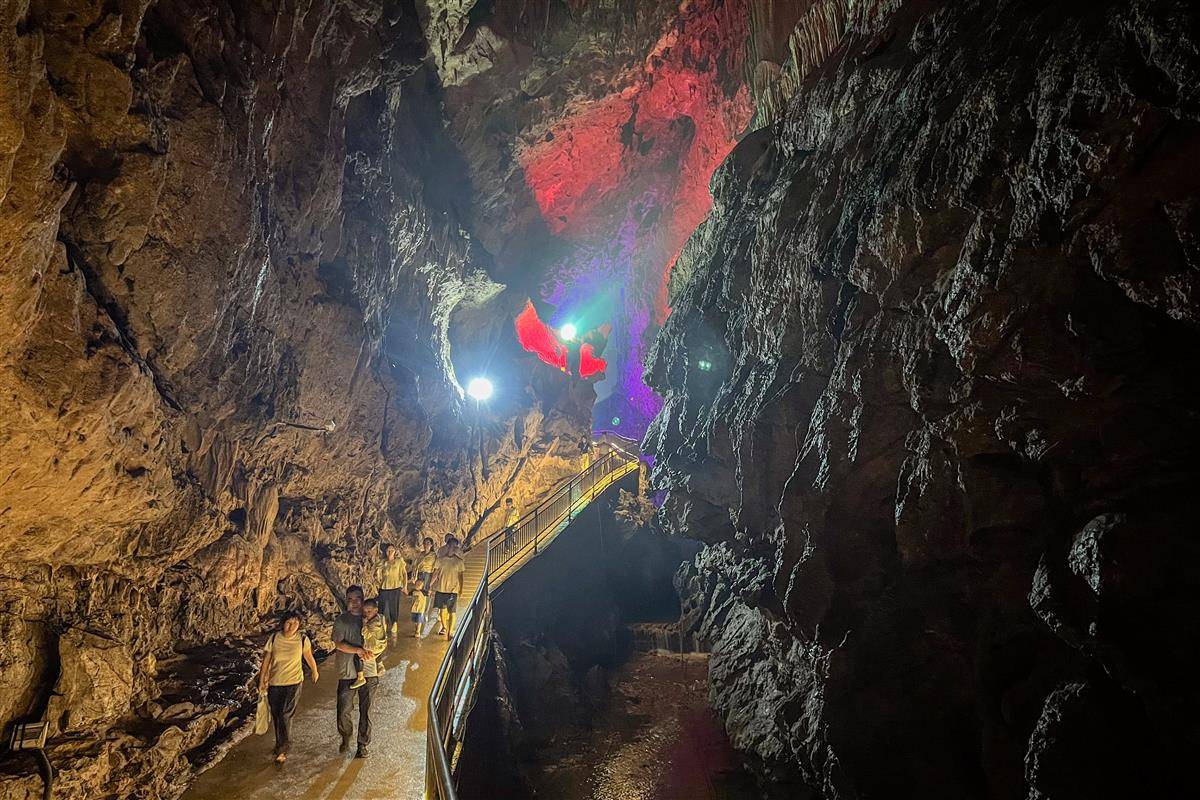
286 651
425 564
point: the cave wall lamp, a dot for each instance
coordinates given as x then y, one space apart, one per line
480 389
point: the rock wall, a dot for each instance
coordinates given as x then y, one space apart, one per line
942 444
235 307
939 444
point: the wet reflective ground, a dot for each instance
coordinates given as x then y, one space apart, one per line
315 770
658 740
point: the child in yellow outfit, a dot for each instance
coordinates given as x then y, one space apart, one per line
419 604
374 633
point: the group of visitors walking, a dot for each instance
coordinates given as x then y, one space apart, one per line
361 634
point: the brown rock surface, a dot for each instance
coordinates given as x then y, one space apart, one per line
95 682
234 316
249 252
945 455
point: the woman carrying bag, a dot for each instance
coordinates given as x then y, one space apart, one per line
286 651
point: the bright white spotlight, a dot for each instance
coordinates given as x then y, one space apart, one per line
567 332
480 388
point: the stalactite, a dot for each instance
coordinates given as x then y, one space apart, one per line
815 36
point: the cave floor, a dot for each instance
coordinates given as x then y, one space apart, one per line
657 740
315 770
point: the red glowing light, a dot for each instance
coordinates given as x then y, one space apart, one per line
589 365
536 337
661 136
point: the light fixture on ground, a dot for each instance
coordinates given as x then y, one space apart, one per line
480 389
567 332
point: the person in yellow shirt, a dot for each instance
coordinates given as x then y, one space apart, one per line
419 603
392 576
511 517
448 575
425 563
374 636
281 675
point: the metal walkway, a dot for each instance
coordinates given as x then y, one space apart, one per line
489 564
402 764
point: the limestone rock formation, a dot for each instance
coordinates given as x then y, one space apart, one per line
249 252
95 682
235 309
944 449
940 447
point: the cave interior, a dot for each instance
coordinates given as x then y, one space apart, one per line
901 299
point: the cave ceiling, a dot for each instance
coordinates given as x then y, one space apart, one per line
586 134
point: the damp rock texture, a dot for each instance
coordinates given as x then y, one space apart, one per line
236 304
249 252
942 447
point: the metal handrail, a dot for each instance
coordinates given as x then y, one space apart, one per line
457 679
444 712
615 444
511 547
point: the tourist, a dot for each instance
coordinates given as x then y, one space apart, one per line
511 517
425 565
448 574
348 642
392 576
280 677
374 634
420 601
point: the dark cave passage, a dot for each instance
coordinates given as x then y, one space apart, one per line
864 330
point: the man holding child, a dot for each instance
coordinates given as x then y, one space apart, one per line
349 643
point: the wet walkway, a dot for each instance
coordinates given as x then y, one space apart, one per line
395 770
315 770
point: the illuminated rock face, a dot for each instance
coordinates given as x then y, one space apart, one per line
250 250
234 305
945 457
941 445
